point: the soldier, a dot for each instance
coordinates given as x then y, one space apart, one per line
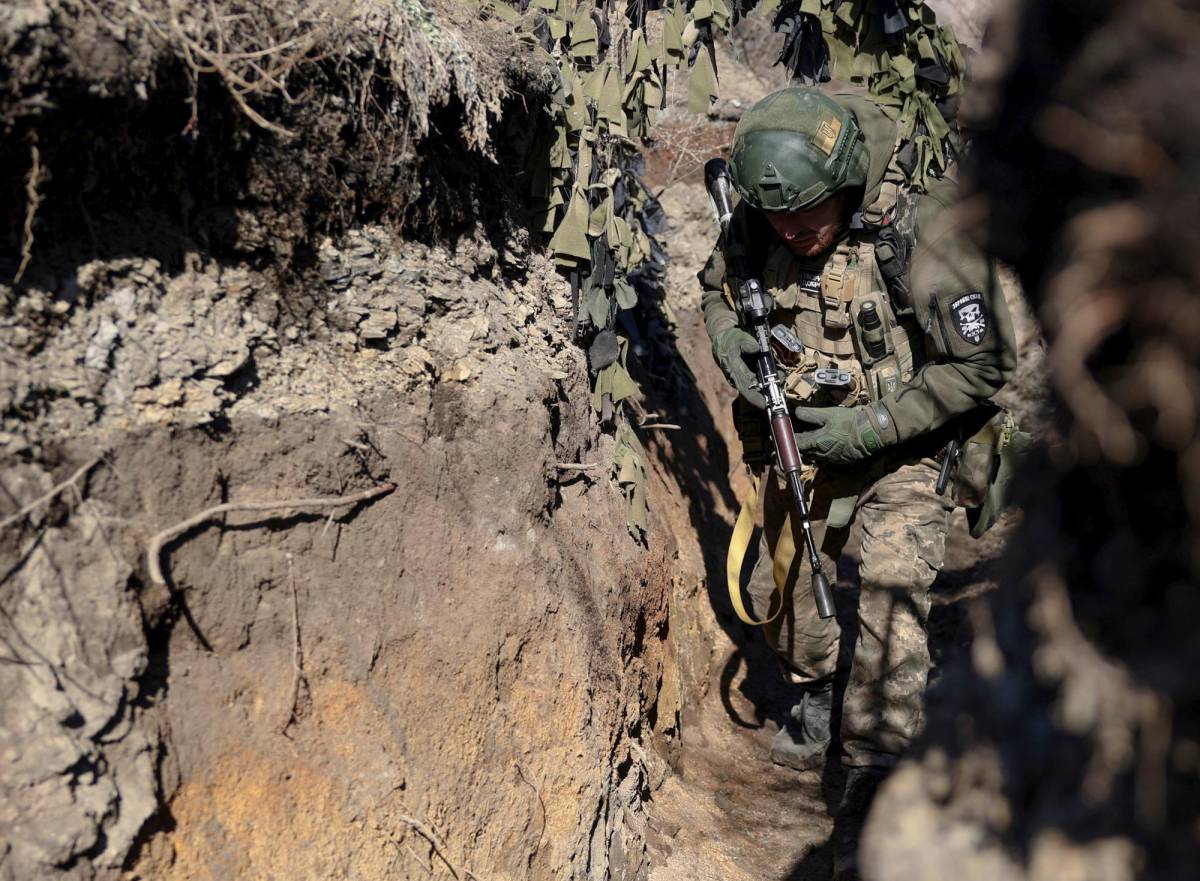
893 332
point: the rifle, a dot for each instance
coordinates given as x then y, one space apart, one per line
751 308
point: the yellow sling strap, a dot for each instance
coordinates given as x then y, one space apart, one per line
739 543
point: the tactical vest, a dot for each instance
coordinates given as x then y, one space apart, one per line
838 336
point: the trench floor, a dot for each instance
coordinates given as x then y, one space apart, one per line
728 813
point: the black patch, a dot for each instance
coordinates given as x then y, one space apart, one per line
969 316
809 282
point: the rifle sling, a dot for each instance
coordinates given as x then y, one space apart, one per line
739 544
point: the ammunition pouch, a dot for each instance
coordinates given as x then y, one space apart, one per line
991 451
826 318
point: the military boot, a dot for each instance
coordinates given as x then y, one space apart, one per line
859 792
805 736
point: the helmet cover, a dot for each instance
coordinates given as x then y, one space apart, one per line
794 149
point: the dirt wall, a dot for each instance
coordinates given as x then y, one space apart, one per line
478 668
481 648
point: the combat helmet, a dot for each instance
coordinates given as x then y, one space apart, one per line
795 148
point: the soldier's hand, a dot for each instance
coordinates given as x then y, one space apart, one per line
730 347
844 434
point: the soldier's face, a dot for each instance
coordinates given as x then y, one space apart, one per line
812 232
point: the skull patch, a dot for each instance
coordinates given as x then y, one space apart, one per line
969 316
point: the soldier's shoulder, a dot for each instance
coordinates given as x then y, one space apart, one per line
942 193
935 208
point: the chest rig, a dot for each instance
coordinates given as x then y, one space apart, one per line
843 329
838 336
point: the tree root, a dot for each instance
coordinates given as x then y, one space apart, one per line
439 846
155 545
32 200
41 500
297 654
541 802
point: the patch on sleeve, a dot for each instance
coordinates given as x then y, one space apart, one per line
969 315
828 130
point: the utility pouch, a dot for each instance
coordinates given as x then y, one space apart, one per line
987 463
837 276
876 344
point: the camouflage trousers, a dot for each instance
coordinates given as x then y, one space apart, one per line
904 523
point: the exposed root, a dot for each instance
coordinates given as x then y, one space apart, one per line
155 545
252 47
239 43
541 804
41 500
256 48
297 654
426 865
439 846
32 200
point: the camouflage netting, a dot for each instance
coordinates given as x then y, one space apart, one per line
614 62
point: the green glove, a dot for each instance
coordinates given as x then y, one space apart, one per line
846 434
729 348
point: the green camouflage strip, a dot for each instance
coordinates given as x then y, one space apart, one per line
614 380
629 471
569 242
702 84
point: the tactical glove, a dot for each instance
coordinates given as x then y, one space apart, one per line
730 346
846 434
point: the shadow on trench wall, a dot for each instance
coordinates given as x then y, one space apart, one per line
701 457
